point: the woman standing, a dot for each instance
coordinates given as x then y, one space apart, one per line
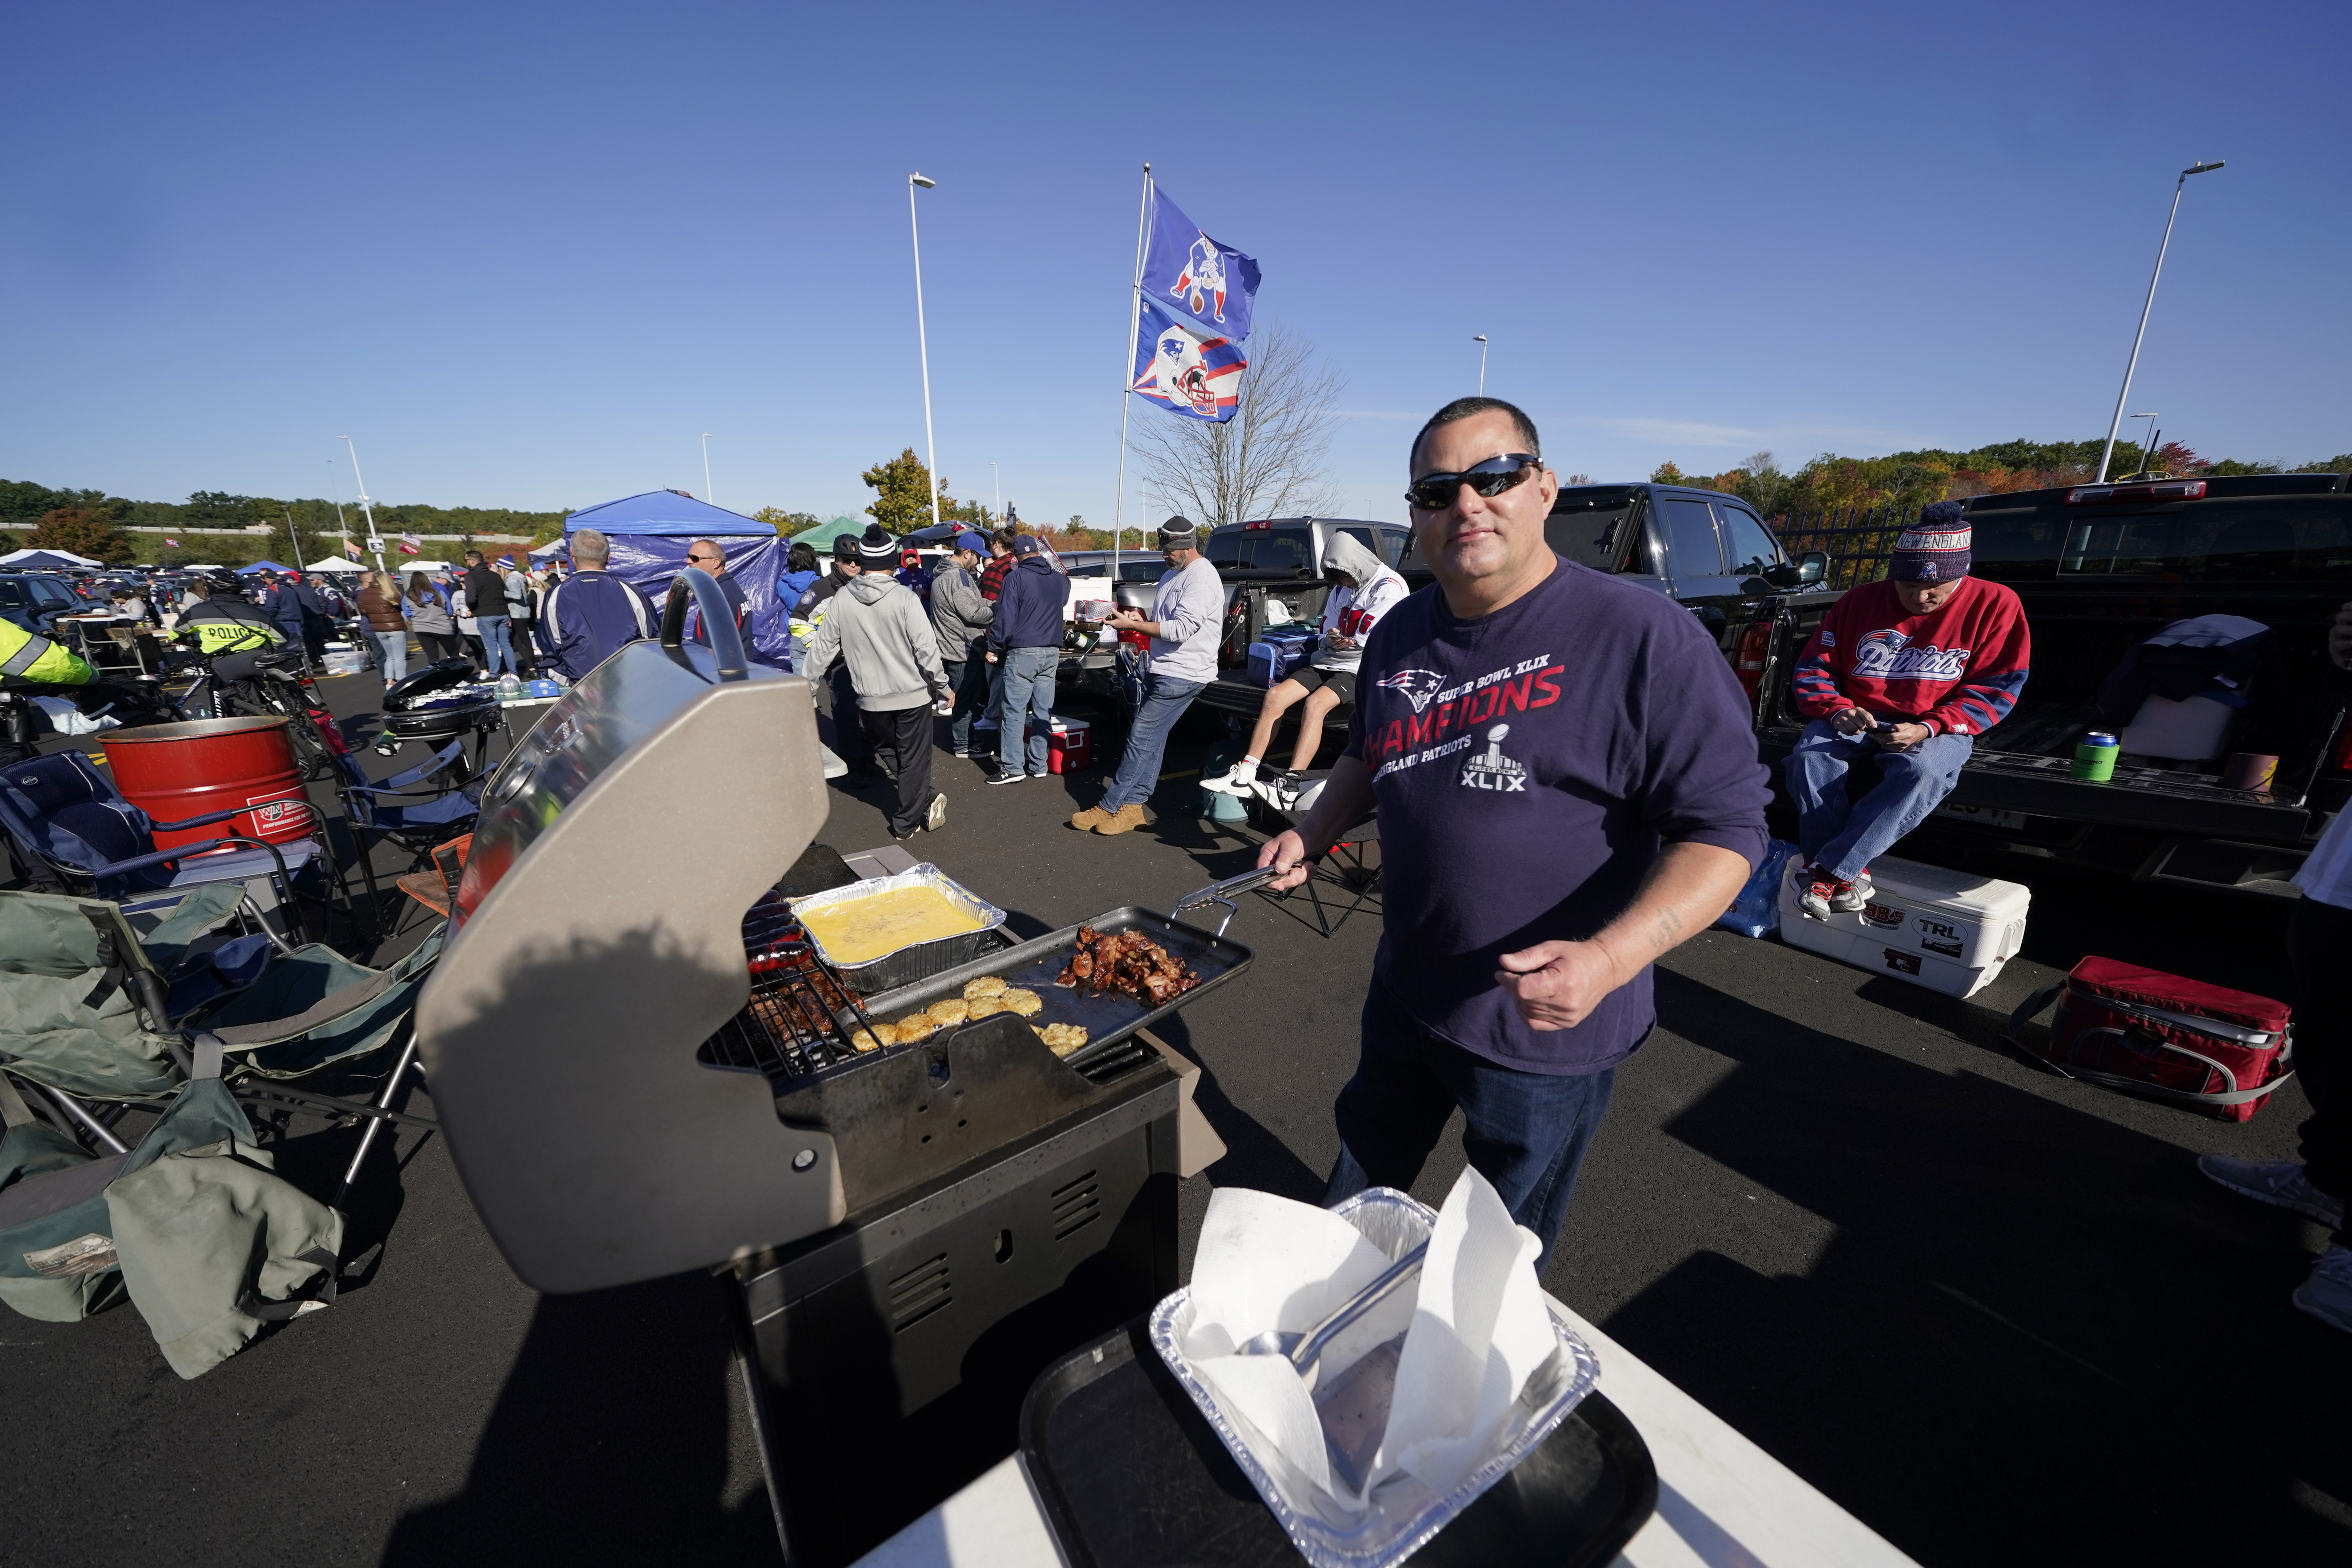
429 618
522 614
379 605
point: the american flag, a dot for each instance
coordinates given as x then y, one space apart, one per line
171 544
410 545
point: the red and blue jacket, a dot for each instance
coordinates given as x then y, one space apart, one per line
1958 671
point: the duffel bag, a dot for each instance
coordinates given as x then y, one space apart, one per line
2164 1036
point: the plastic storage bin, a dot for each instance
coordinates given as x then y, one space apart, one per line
1948 931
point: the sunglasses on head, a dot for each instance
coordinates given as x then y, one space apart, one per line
1435 492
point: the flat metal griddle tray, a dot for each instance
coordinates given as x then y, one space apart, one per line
1110 1019
1129 1474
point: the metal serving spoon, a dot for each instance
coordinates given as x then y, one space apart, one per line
1306 1351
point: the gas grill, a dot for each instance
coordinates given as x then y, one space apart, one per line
641 1070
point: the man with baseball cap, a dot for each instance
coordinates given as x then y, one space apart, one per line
961 618
1907 671
1188 614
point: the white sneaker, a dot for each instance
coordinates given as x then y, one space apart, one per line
2327 1294
937 817
2280 1182
1235 780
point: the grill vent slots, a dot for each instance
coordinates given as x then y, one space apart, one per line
1076 1205
917 1293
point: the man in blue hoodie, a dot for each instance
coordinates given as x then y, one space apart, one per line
1025 641
591 612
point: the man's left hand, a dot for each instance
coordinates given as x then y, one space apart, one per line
1901 737
1128 620
1557 984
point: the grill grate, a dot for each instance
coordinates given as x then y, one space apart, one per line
792 1027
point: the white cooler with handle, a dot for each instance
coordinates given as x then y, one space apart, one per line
1948 931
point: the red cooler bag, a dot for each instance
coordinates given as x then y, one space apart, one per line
2158 1035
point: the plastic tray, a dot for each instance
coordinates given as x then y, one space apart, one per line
1108 1018
1129 1474
918 960
1405 1513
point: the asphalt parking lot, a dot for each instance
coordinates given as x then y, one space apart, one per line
1996 1314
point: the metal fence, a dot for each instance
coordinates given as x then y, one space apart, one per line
1857 539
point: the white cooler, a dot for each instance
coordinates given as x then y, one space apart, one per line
1948 931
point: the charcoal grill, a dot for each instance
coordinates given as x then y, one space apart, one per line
905 1236
427 706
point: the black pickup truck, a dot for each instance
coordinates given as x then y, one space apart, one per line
2098 568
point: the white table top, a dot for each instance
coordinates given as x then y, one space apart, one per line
1723 1502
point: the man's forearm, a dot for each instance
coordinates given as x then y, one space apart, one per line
1687 886
1347 796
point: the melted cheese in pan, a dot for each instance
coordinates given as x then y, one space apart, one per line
859 931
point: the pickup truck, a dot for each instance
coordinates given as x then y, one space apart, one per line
1705 550
2098 568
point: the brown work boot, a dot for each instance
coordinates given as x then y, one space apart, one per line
1125 820
1087 821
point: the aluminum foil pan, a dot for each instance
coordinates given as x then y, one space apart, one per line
1405 1513
880 973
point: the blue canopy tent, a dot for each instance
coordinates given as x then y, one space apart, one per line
261 566
650 534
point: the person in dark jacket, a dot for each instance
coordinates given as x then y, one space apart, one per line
798 575
1025 640
961 617
593 612
301 615
486 596
706 555
991 583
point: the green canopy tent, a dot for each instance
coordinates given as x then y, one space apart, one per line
820 538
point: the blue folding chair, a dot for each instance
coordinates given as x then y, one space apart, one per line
65 814
407 809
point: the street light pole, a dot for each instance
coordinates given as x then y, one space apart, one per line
367 507
2147 447
2132 364
706 470
922 339
1481 340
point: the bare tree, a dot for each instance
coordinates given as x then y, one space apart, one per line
1269 460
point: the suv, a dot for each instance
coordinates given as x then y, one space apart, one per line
2098 568
33 599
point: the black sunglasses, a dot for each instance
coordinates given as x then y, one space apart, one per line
1435 492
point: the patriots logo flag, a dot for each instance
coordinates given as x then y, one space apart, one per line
1185 369
352 549
1185 269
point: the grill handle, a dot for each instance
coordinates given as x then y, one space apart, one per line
1224 893
718 622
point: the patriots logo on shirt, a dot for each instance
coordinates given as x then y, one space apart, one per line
1418 685
1889 655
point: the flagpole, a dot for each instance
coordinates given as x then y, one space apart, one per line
367 509
1127 376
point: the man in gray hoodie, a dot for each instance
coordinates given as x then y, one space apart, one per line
877 627
960 617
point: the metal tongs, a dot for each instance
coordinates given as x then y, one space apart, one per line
1224 893
1306 1351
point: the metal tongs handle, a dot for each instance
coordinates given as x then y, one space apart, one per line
1309 1354
1224 893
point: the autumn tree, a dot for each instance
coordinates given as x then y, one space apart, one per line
1267 460
78 531
787 523
904 502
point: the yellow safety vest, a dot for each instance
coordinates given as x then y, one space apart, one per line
229 628
30 656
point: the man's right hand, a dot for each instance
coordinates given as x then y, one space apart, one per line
1288 851
1853 721
2339 638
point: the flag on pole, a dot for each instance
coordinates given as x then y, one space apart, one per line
351 548
1192 371
1188 271
410 545
171 544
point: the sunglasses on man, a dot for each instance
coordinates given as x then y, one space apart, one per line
1435 492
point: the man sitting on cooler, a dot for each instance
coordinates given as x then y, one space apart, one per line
1906 669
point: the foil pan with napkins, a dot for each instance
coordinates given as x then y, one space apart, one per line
1374 1367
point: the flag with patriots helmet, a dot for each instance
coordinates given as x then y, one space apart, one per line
1186 270
1184 368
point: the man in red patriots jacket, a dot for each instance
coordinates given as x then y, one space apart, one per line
1904 671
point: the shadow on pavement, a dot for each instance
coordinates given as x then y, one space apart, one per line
608 1444
2060 1311
1256 1156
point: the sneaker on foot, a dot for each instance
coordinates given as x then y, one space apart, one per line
2280 1182
2327 1294
1008 776
1864 888
936 818
1851 895
1816 890
1235 780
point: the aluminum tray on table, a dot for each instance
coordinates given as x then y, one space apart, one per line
1110 1019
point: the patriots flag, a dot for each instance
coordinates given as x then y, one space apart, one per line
1188 370
1185 269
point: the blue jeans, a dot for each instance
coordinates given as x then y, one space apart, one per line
1164 701
497 653
1028 690
1525 1132
393 648
969 680
1843 839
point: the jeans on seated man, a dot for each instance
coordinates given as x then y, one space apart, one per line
1367 590
1904 671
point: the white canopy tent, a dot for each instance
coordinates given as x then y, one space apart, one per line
339 563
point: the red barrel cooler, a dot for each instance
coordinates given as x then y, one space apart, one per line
173 772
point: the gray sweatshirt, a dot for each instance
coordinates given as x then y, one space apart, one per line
958 612
877 627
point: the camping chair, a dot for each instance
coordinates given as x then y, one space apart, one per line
407 809
1343 867
66 815
85 1014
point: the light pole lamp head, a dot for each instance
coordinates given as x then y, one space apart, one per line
2201 168
1479 339
923 180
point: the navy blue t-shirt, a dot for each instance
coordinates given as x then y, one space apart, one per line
1527 766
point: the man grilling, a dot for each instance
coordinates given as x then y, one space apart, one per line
1566 789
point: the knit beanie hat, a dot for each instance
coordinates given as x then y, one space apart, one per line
876 550
1178 533
1933 550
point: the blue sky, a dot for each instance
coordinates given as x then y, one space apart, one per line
526 255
